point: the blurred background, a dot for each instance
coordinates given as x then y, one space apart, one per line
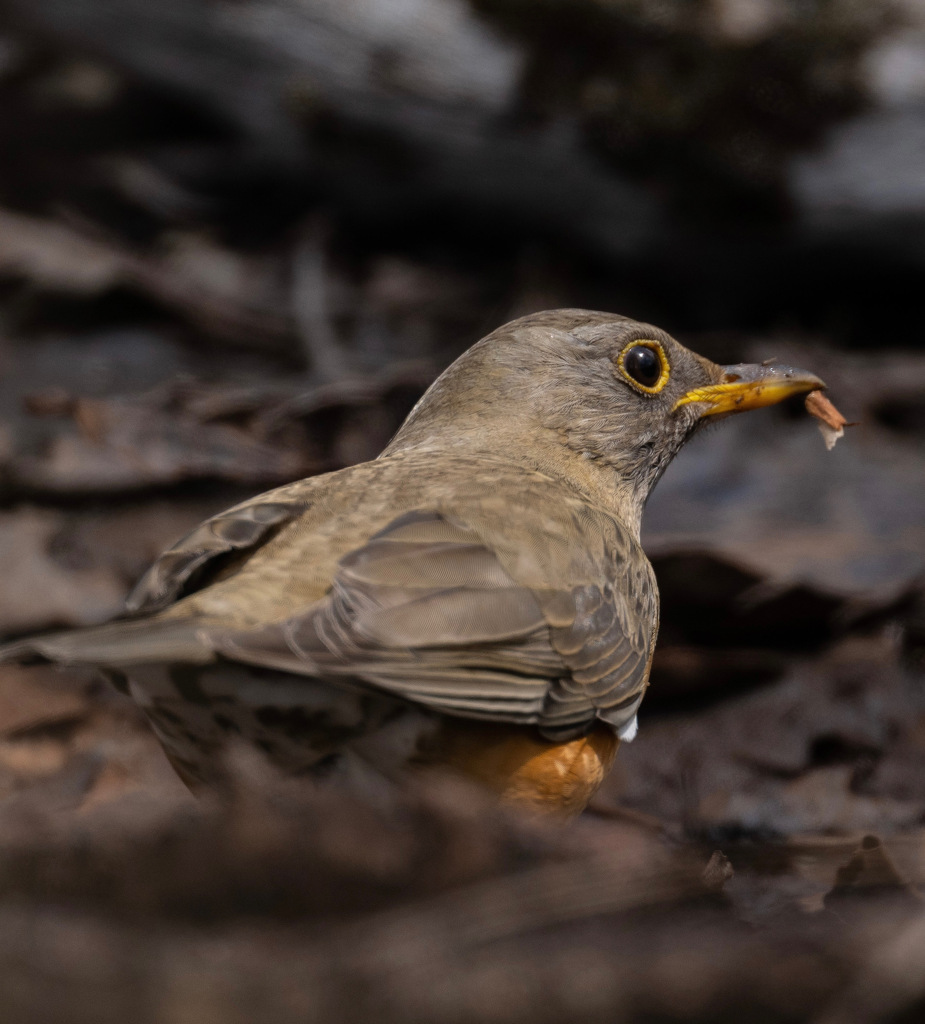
238 238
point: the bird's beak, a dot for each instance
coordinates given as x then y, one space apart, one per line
750 386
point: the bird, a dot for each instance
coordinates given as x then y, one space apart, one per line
475 599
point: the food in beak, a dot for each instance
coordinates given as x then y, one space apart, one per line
831 422
750 386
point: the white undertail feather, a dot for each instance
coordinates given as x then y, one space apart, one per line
627 732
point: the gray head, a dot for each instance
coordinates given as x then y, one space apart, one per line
599 398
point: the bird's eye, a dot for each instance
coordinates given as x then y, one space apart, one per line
644 363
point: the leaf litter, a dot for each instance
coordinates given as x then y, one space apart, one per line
758 853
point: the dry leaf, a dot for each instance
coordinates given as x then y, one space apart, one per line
29 699
871 867
718 872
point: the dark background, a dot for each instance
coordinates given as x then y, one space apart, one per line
238 238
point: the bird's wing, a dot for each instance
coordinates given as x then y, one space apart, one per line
608 649
213 543
426 610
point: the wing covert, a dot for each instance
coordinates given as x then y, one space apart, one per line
426 610
236 530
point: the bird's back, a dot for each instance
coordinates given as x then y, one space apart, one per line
545 534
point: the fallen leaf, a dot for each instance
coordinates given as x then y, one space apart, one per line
38 591
29 699
717 872
870 867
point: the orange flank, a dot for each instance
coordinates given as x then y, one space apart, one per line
524 769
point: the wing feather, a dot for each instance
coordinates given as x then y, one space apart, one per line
427 611
236 530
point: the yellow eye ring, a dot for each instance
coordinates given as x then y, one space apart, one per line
638 370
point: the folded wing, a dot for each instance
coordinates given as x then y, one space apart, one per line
426 611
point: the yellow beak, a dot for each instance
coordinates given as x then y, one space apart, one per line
750 386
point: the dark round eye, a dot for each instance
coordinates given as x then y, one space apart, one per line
644 365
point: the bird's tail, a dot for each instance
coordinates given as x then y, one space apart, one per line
117 644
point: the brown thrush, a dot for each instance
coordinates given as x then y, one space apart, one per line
476 597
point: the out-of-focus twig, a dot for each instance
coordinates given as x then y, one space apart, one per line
311 305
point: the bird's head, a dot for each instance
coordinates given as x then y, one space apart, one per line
600 398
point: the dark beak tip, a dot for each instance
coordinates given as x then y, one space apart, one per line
760 373
813 382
